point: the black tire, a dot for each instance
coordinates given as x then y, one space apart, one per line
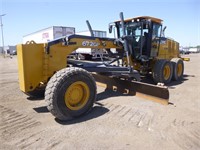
178 69
57 89
159 71
37 93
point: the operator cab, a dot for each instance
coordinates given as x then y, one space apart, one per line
143 34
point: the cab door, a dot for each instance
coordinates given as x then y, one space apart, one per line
156 39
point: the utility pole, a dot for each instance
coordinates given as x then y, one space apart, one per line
2 34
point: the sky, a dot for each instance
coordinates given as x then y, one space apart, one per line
182 17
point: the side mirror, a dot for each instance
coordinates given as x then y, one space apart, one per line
110 28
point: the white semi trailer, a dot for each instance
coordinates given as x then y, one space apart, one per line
48 34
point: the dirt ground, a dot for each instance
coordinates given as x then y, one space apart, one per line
116 122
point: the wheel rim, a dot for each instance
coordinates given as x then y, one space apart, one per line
179 69
166 72
77 95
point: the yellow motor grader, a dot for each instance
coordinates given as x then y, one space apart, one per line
70 85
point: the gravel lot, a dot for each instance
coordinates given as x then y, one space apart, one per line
116 122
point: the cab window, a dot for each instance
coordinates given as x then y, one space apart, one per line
156 31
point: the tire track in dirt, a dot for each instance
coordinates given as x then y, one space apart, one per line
138 117
19 127
16 129
38 140
53 145
175 130
185 134
14 124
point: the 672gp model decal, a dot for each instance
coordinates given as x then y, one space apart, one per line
90 43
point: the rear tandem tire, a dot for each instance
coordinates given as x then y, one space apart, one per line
178 68
162 71
70 93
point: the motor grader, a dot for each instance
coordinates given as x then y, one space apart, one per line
70 85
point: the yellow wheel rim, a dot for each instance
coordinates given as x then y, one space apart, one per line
77 95
179 69
166 72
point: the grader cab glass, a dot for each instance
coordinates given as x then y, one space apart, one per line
144 35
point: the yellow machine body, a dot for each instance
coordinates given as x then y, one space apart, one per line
145 35
70 84
36 67
30 65
168 49
38 62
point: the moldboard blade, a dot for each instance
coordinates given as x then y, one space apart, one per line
155 93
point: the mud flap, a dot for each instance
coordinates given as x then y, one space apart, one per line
154 93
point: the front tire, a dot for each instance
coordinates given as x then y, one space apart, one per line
70 93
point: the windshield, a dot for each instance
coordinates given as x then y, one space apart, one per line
139 31
134 29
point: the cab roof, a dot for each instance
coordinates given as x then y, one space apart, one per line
153 19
